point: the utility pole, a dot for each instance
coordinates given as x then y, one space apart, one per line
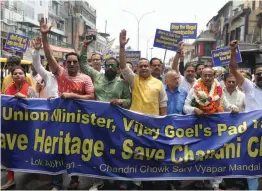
151 51
105 26
138 23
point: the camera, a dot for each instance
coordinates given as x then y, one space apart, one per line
91 37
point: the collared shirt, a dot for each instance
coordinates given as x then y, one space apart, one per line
148 94
176 100
253 94
189 109
50 83
184 84
106 90
237 98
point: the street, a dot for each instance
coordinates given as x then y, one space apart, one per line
30 181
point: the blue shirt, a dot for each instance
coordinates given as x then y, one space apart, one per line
176 100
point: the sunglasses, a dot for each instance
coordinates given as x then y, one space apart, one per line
69 62
258 74
110 65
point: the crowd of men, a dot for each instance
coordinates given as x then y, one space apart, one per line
194 89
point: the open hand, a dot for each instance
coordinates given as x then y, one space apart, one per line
122 38
44 29
37 43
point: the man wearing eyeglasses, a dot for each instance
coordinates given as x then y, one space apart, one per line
108 88
148 93
71 85
188 80
253 93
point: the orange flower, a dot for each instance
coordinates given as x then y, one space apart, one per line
214 106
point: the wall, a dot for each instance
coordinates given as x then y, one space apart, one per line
100 44
249 3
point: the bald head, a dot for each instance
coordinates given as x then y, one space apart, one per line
172 79
208 76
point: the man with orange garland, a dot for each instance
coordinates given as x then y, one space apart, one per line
206 97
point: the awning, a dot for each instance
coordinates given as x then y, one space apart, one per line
5 54
61 49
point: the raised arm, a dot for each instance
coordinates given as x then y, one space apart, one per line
123 41
44 29
233 64
84 66
179 55
37 43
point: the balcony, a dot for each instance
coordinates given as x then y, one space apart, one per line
258 11
56 14
32 35
59 43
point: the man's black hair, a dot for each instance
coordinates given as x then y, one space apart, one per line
143 59
257 66
227 75
189 65
72 53
96 53
152 59
112 58
14 60
199 64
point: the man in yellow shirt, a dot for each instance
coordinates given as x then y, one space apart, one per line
8 80
148 93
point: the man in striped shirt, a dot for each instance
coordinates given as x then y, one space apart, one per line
71 85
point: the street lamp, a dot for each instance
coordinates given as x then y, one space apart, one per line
151 51
138 22
147 46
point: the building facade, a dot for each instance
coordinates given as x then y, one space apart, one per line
69 20
240 20
204 44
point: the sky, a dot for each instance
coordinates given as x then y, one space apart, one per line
166 12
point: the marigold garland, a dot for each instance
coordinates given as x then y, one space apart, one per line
208 101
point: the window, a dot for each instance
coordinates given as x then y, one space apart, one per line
238 33
207 49
232 35
55 7
253 5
